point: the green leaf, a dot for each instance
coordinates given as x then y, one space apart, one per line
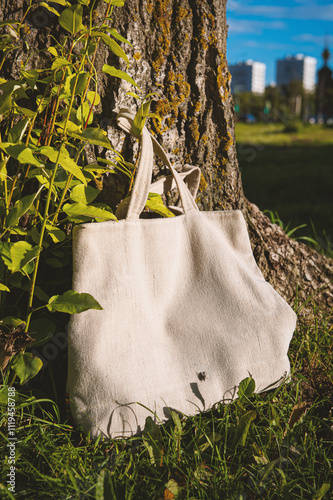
138 122
16 280
322 491
30 76
111 70
20 208
3 175
117 3
97 169
141 115
93 136
72 302
84 194
53 51
93 97
8 23
79 212
56 263
5 102
91 47
4 288
60 62
80 86
5 253
174 488
155 203
113 46
24 111
99 489
152 438
246 388
84 115
206 440
56 234
20 152
39 293
61 2
71 18
4 394
42 179
17 132
8 85
12 321
132 94
21 254
65 161
242 429
71 126
104 489
41 329
17 230
26 366
275 420
115 33
48 7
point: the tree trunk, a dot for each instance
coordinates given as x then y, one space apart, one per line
179 51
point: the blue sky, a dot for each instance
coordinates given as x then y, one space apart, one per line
265 30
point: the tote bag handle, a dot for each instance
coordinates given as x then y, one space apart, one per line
191 176
142 183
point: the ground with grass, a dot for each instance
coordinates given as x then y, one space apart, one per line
276 445
289 173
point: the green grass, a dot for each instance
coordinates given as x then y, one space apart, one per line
289 173
272 134
276 445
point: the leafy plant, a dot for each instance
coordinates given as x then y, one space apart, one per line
322 244
275 219
46 183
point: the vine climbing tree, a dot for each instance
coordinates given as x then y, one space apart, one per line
178 51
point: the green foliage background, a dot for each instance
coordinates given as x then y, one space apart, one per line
46 183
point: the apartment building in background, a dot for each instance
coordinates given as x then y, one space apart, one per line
248 76
298 68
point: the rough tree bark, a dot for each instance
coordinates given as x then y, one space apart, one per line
179 51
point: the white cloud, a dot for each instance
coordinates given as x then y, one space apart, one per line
309 37
233 5
270 46
254 26
252 43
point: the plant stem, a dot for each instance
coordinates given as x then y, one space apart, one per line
41 238
63 194
135 167
47 204
92 62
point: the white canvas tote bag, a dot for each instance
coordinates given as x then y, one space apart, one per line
186 312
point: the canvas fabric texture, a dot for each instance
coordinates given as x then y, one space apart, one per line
187 314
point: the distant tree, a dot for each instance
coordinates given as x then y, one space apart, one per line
251 103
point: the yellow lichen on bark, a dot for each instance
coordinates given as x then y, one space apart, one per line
203 183
194 127
223 78
176 91
162 18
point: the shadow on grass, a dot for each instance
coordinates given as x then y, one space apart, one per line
295 181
